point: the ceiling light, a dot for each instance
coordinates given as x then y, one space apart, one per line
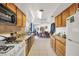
39 14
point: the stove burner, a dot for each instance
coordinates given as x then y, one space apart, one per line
5 49
13 42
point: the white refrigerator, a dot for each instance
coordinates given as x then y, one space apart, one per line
72 41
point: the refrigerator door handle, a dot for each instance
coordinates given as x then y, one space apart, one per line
73 41
69 39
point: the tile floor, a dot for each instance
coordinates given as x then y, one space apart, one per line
41 47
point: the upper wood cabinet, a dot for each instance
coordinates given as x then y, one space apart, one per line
59 45
73 8
19 17
12 7
65 14
24 21
58 21
5 4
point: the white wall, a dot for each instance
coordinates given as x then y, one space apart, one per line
60 30
27 12
61 8
43 25
30 17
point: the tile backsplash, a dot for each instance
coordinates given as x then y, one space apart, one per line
8 29
60 30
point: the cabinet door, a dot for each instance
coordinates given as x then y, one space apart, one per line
24 20
73 8
60 48
52 41
19 18
58 52
12 7
54 44
58 20
65 14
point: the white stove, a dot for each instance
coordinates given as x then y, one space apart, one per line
5 49
12 49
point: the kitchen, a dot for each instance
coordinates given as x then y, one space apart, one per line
26 28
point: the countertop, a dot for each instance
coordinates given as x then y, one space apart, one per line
25 37
61 39
20 39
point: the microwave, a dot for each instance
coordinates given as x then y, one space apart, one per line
7 16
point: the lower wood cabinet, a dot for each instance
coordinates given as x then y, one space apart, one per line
58 52
60 48
53 43
29 43
58 45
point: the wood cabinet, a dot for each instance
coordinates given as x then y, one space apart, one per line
24 21
27 49
65 14
29 43
53 43
58 20
60 48
58 44
12 7
73 8
19 18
